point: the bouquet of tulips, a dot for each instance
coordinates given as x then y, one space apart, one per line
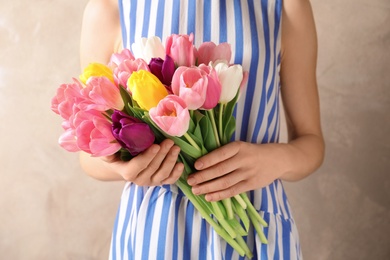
175 91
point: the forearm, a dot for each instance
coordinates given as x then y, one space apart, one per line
98 168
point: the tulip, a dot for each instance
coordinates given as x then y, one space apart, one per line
190 84
148 48
67 96
118 58
96 70
101 94
231 78
210 52
147 90
163 69
126 68
214 87
171 115
90 132
181 49
133 134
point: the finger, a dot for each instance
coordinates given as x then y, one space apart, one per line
144 176
216 156
167 166
175 174
213 172
142 160
227 193
139 164
156 162
218 184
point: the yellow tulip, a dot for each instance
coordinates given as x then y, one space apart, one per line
146 89
96 70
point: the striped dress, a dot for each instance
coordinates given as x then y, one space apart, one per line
160 222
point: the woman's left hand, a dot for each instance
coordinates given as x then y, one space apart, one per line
235 168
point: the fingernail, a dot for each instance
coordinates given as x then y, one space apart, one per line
191 181
208 197
180 167
175 152
198 165
195 190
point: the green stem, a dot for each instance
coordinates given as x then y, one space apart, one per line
228 206
242 243
228 228
241 213
215 130
257 227
221 107
218 228
216 210
240 201
192 142
252 210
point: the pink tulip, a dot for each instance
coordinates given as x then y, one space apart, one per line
214 87
171 115
210 52
181 49
190 84
93 134
89 131
101 94
118 58
67 96
123 72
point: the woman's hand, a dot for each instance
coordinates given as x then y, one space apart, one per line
155 166
235 168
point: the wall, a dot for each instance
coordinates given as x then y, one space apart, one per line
51 210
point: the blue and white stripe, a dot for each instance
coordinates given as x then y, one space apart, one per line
159 222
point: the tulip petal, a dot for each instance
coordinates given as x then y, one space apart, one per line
138 137
68 141
171 115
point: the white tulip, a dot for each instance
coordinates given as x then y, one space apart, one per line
230 78
148 48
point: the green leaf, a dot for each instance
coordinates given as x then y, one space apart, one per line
127 100
188 164
191 126
229 108
229 129
186 147
124 155
197 140
207 133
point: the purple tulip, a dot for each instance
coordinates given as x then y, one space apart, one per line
133 134
163 69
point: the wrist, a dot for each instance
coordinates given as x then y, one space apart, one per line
301 157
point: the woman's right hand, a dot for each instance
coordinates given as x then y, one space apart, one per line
155 166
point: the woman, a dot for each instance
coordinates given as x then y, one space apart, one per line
276 43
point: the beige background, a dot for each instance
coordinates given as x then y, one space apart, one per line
50 210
